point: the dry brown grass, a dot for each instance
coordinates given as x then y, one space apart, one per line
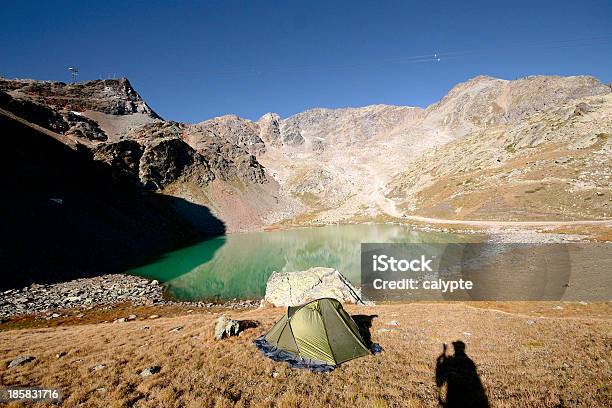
542 192
562 359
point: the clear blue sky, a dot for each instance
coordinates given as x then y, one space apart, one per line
195 60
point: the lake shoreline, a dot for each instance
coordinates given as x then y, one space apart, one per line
538 231
47 301
51 301
125 312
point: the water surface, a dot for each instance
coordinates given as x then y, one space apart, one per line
238 265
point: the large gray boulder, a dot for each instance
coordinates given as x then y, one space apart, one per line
296 288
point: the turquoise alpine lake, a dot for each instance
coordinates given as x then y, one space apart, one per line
238 265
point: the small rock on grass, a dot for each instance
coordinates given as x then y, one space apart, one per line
226 327
20 360
393 323
176 329
98 367
150 371
154 316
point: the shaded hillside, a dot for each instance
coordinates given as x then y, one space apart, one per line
65 215
111 120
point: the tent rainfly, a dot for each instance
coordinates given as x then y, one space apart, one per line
318 335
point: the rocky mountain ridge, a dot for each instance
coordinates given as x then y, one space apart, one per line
486 101
113 97
350 164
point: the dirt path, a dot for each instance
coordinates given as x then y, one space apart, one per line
483 223
385 204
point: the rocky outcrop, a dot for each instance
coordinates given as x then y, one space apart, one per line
156 130
269 131
33 112
226 327
124 156
278 132
82 127
347 126
111 96
231 128
62 122
228 161
296 288
157 163
20 361
165 161
150 371
173 151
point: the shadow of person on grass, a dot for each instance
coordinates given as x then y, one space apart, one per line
458 373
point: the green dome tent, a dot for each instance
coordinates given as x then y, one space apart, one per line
318 335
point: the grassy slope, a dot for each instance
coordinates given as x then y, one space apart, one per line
553 165
563 358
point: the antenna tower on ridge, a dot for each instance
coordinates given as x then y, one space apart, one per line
74 71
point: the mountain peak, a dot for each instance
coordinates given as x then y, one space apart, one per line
110 96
